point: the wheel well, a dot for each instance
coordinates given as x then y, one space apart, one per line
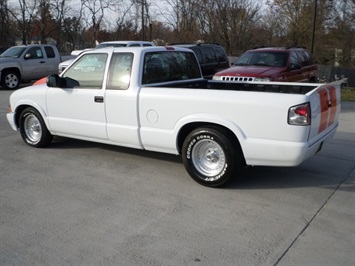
18 112
11 69
186 129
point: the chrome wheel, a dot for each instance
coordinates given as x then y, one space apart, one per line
208 158
11 81
212 155
33 129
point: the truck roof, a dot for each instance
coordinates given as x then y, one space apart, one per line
140 48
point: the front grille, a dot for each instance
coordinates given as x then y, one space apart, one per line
238 79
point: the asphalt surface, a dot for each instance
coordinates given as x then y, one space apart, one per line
82 203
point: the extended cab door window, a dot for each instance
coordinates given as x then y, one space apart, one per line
88 71
49 52
120 71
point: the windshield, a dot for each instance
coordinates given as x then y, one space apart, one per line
14 52
262 58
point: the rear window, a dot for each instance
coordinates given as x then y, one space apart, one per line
169 66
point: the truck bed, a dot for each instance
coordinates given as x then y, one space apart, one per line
276 87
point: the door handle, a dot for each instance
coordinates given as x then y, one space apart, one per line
42 62
99 99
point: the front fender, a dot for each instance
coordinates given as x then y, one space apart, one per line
21 105
33 96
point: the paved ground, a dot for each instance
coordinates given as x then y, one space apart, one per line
81 203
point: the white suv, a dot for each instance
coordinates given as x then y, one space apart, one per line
66 63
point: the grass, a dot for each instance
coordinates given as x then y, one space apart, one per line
348 94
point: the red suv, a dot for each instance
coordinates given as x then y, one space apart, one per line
291 64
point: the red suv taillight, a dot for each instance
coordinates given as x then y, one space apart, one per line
300 115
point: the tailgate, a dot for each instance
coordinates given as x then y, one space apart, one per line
325 109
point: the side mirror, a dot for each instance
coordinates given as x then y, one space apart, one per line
55 81
28 56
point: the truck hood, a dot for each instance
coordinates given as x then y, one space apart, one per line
249 71
32 95
5 60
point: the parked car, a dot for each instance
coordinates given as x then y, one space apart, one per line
290 64
211 57
64 64
27 62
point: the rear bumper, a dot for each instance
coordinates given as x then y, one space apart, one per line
281 153
11 119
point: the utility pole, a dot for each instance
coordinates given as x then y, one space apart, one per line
314 24
143 1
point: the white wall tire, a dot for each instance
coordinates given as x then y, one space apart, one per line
211 157
33 129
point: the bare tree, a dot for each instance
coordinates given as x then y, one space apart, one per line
122 22
5 23
95 15
229 22
182 17
24 17
343 33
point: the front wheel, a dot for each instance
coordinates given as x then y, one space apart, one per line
33 129
10 80
211 157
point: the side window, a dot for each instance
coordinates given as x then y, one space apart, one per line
198 54
120 71
293 59
307 58
208 55
169 66
301 58
221 55
49 52
35 52
134 45
88 71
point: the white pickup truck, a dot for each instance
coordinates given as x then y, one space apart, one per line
154 98
26 63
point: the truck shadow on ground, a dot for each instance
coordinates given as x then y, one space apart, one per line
319 171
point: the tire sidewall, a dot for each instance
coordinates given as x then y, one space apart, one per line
209 134
3 81
46 137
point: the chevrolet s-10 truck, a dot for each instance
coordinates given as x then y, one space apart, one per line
154 98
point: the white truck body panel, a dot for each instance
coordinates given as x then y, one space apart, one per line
152 117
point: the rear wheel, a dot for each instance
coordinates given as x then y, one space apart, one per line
33 129
211 157
10 80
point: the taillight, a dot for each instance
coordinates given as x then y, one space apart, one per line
300 115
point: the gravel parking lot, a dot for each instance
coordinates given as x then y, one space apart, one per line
82 203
